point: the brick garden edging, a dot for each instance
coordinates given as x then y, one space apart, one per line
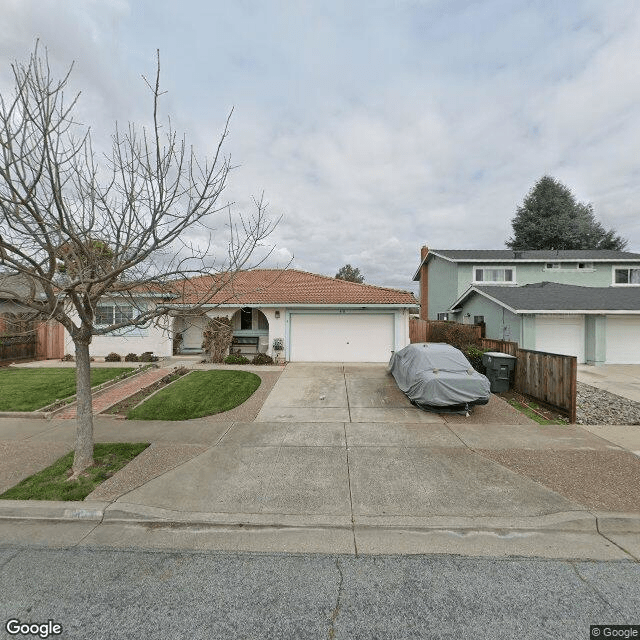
45 413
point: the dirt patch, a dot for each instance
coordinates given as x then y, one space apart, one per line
541 410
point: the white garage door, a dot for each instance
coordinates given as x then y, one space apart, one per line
623 340
361 337
561 334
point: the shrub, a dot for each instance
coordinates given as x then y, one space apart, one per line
113 357
457 335
148 356
216 338
67 358
474 356
262 358
131 357
235 358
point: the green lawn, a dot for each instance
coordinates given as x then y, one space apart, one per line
52 484
201 393
30 389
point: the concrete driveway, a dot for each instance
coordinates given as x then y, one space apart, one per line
361 393
621 379
337 392
338 460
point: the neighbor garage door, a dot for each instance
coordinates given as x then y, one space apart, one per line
361 337
561 334
623 340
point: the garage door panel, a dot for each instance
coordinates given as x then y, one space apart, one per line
341 337
561 334
623 340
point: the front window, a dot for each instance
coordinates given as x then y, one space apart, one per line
443 316
494 274
113 313
629 276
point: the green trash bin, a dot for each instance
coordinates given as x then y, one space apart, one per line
499 367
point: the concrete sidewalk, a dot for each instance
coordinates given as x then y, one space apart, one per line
389 479
619 379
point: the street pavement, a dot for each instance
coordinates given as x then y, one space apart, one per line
338 461
105 593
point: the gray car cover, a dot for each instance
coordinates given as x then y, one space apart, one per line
438 375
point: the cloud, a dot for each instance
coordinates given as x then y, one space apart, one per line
373 128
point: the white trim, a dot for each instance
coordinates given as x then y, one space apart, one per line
287 305
507 267
526 260
582 311
614 267
473 289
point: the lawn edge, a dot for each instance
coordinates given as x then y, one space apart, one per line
166 386
42 413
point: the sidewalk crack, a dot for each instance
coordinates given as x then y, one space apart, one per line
346 390
593 588
614 543
336 610
353 520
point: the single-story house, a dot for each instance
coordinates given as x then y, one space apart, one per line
598 325
315 318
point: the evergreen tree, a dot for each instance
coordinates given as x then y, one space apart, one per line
352 274
550 217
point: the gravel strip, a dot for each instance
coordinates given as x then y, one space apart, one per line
596 406
602 480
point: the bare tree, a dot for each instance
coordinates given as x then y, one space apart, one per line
77 230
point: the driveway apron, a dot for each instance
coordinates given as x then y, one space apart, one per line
338 445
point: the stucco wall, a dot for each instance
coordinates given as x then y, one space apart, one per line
156 340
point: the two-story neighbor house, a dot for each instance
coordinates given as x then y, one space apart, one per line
582 303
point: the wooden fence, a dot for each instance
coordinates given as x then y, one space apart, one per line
14 348
50 338
548 377
502 346
45 342
427 330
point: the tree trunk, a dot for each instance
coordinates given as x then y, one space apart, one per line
84 434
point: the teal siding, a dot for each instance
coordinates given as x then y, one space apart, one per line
501 324
443 290
595 339
599 276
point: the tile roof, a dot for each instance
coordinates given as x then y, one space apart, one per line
552 296
538 254
289 286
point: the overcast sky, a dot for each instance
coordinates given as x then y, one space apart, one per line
373 127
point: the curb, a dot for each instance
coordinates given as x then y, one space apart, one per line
113 512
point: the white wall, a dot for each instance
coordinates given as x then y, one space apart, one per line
156 338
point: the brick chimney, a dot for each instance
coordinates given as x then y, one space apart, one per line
424 284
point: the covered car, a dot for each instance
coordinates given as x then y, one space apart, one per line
437 377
